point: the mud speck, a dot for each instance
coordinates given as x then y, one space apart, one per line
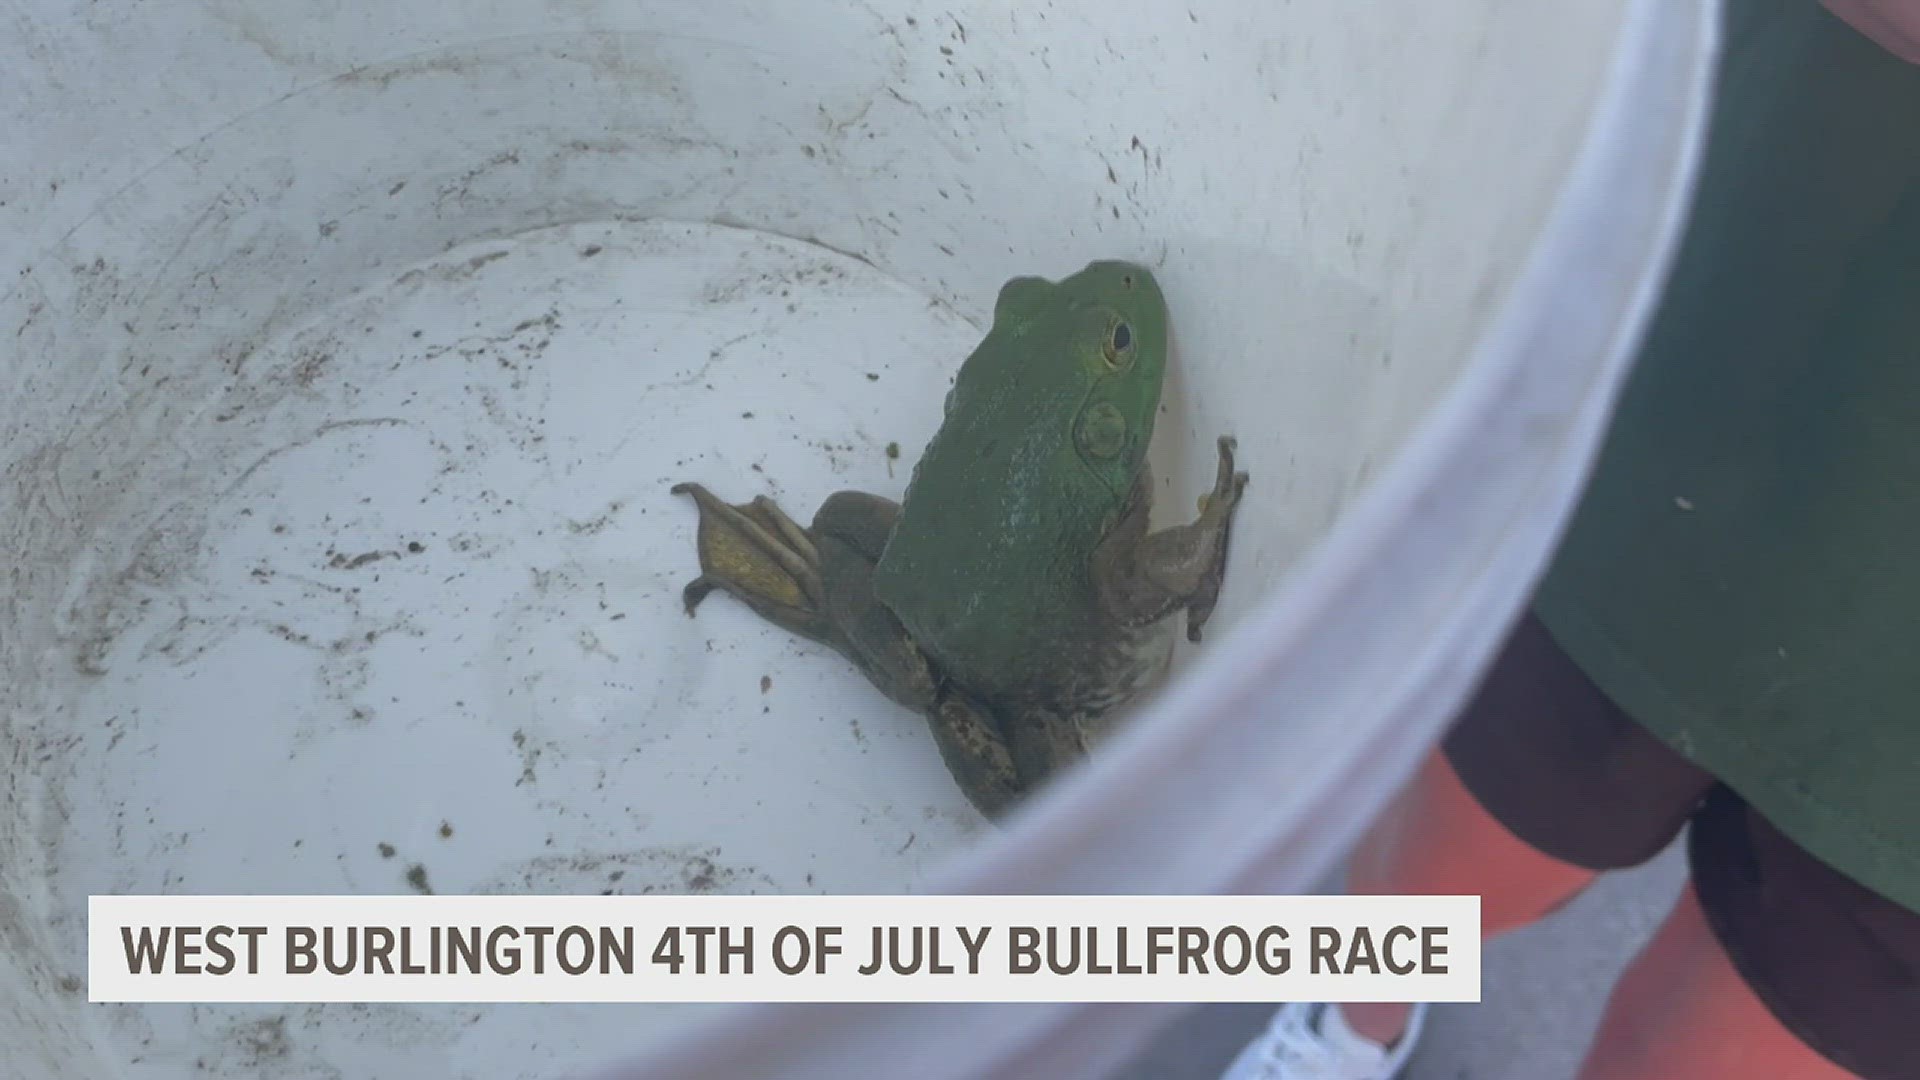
529 758
446 830
700 876
417 880
666 870
308 365
873 376
71 984
766 683
342 561
386 851
893 451
263 1040
590 527
591 250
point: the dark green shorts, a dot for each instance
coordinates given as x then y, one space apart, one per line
1742 575
1570 773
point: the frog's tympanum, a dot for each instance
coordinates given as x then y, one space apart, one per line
1016 596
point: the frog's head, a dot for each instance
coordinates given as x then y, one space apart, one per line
1062 392
1110 328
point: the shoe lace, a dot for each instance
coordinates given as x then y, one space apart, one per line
1293 1049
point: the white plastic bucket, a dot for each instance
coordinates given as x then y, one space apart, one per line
351 350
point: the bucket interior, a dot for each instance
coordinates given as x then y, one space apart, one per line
353 366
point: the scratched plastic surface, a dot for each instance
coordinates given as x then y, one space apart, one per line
351 350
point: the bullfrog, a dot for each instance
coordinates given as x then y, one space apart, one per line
1016 596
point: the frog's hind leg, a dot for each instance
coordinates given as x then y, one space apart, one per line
978 755
1142 577
851 529
759 555
818 582
862 521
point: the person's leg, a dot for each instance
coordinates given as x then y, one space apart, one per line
1835 963
1542 784
1682 1009
1418 848
1772 964
1436 839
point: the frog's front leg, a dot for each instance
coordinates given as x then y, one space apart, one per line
1143 577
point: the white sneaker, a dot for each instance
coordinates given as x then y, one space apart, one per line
1311 1041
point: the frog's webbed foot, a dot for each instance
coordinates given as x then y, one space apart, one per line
757 553
1144 577
1206 564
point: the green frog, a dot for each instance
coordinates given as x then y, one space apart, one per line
1016 597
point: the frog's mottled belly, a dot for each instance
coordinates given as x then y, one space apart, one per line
1113 666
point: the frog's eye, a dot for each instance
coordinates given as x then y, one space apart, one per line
1118 347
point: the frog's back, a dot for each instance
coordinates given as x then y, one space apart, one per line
988 565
